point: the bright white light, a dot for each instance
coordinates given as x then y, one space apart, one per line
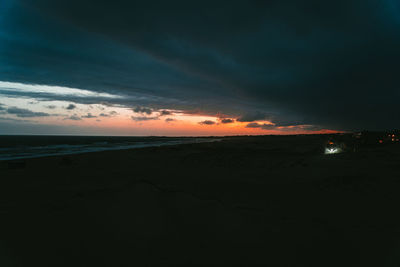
53 90
333 150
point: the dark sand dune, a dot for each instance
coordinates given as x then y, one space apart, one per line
277 201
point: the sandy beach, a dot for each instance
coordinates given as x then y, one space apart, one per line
272 200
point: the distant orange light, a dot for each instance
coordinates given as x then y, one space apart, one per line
380 141
331 143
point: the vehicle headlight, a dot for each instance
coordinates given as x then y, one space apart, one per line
332 150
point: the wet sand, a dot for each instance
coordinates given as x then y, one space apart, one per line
277 201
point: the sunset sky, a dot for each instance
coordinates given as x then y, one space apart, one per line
178 68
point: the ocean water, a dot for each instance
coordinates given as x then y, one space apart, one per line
20 147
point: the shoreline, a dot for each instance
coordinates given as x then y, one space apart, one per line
93 148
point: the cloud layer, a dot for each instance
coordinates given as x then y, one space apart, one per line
25 113
324 63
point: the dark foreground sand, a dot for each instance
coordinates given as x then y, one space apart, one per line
276 201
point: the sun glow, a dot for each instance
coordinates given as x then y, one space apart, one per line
120 120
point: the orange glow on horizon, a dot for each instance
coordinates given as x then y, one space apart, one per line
117 120
185 125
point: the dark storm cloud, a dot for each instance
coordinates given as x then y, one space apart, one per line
278 121
253 125
26 113
143 110
89 116
144 118
165 112
224 121
287 128
263 126
73 117
329 63
207 122
249 117
70 107
110 114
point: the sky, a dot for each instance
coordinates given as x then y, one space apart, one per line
96 67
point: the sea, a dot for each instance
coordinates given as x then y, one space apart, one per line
33 146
